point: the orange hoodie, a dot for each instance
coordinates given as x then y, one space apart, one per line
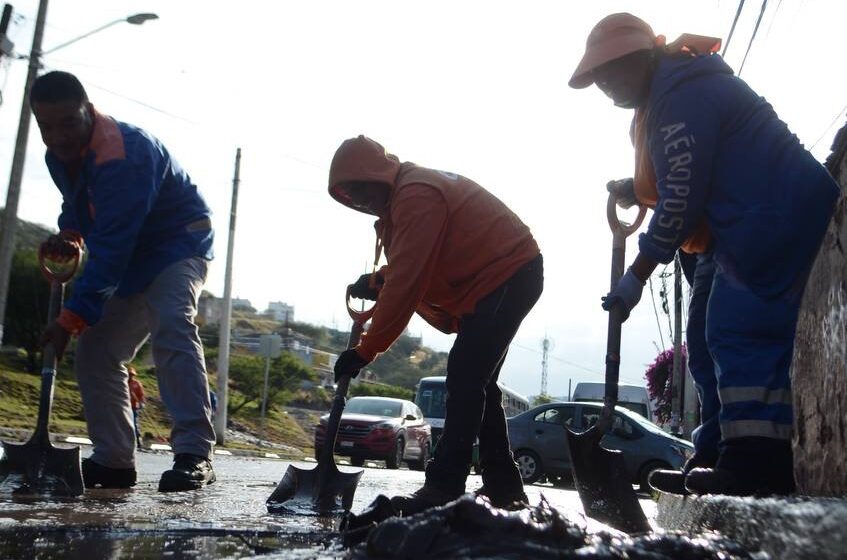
448 241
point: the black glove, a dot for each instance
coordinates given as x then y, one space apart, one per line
627 294
361 288
349 363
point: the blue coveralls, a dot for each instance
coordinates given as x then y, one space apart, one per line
149 238
720 152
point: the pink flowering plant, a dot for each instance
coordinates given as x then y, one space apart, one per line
659 376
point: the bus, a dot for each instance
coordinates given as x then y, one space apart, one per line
431 397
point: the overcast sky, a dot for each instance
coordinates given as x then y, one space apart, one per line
478 88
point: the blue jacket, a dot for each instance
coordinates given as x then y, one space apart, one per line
136 209
720 151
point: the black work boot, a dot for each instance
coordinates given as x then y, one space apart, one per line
750 466
511 500
672 481
189 472
424 498
95 474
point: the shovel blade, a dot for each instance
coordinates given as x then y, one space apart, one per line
322 490
603 485
43 467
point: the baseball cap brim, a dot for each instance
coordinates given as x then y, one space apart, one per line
617 44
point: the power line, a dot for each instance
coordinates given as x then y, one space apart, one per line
753 37
572 364
828 128
656 312
732 29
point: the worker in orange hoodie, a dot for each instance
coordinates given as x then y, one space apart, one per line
465 263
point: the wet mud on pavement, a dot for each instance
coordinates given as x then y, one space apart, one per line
228 519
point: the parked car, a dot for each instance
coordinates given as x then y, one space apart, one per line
540 444
393 430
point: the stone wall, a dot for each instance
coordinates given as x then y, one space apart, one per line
819 368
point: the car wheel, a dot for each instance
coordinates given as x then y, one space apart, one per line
644 474
357 461
396 457
529 465
420 464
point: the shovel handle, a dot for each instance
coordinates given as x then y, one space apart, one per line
54 275
343 384
359 317
620 231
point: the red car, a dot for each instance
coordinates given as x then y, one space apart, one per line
393 430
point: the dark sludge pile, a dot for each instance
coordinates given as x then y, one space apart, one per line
471 528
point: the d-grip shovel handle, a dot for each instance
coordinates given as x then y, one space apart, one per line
48 353
620 231
343 384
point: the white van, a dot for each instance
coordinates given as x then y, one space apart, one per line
633 397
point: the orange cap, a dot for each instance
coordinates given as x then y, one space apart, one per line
614 36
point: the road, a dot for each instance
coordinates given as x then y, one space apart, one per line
226 519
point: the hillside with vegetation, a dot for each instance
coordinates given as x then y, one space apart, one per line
297 394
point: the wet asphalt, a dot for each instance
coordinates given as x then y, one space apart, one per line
227 519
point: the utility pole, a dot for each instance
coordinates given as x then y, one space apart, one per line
545 346
13 195
270 346
677 378
6 45
226 313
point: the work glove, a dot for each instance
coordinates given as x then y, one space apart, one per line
62 247
626 294
55 334
349 363
362 289
624 191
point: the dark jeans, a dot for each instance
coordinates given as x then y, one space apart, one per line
474 408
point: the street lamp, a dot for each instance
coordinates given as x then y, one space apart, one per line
135 19
10 217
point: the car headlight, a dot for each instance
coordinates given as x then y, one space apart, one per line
384 426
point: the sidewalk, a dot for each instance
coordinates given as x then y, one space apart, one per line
786 528
275 452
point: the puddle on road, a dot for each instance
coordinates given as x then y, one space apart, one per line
97 544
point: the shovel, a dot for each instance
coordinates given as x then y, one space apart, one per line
44 468
319 489
599 473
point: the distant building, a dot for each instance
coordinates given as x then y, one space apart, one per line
209 309
242 304
281 311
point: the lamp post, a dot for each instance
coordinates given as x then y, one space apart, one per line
10 219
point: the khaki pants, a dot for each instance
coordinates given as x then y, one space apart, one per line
164 312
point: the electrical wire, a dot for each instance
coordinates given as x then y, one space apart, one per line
753 37
570 363
838 116
732 29
656 313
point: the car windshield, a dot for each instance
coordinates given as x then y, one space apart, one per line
432 400
641 421
375 407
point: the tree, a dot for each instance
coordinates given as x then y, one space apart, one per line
285 376
818 377
26 308
541 399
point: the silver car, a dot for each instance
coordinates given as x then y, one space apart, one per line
540 444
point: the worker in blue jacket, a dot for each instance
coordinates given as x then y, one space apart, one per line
148 236
721 170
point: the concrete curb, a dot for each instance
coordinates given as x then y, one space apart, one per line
786 528
20 435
